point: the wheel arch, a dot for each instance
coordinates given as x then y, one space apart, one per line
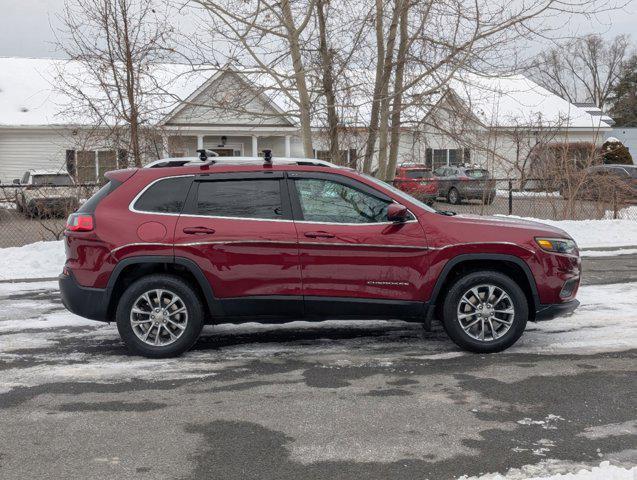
510 265
132 268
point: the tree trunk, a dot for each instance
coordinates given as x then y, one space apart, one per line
397 104
372 129
388 64
327 61
300 79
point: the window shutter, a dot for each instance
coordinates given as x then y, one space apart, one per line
71 165
429 157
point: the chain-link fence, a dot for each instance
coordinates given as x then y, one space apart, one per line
33 213
38 212
537 200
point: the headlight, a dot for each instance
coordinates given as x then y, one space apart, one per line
557 245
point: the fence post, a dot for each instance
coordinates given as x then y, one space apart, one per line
510 197
615 212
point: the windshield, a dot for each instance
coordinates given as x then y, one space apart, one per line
418 174
398 193
477 173
55 180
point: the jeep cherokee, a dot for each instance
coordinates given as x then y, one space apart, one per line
165 249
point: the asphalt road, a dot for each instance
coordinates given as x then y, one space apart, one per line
358 400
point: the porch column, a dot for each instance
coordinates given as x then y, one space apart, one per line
255 152
199 142
287 145
165 152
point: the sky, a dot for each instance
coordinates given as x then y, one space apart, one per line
26 26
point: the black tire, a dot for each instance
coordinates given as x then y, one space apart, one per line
170 283
452 300
453 196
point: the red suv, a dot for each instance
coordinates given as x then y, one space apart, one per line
164 250
418 181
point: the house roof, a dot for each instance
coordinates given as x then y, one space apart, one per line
30 96
512 101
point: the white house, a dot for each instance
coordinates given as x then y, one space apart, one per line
237 114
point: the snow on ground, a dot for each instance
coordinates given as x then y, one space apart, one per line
35 260
526 194
595 233
608 253
605 471
60 346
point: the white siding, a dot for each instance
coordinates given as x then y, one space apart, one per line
21 150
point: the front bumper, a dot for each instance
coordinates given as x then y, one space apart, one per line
91 303
548 312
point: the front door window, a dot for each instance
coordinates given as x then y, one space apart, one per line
332 202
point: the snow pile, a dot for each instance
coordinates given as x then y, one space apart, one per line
595 233
36 260
605 471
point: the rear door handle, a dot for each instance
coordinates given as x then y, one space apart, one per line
199 230
319 235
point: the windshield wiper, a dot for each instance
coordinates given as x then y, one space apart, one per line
447 213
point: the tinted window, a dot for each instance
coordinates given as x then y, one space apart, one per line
240 198
328 201
418 174
164 196
91 204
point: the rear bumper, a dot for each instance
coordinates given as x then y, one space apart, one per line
548 312
91 303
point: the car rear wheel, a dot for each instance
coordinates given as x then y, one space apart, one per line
485 312
159 316
453 196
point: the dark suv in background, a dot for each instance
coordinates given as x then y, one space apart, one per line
457 183
164 250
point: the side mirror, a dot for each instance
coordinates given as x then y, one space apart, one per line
16 181
397 213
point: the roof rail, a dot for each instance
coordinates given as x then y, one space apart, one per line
193 161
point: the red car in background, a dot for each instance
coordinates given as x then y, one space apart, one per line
418 181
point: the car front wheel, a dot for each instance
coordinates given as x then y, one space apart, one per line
485 312
159 316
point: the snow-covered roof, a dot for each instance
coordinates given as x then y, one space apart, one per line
512 101
30 95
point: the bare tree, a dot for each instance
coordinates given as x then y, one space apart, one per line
114 45
583 69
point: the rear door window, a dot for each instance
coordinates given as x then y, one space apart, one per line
164 196
240 199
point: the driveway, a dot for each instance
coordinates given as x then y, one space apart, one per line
343 400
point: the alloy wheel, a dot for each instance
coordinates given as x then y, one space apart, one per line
159 317
486 312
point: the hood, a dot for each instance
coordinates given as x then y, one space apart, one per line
534 228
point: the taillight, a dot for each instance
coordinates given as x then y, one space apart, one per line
79 222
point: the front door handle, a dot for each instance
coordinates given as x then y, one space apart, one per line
320 234
199 230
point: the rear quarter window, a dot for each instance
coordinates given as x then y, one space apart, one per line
164 196
91 204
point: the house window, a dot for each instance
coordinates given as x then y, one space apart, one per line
91 165
446 156
346 157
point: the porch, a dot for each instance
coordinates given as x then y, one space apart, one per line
232 144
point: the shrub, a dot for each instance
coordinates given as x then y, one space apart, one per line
616 152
